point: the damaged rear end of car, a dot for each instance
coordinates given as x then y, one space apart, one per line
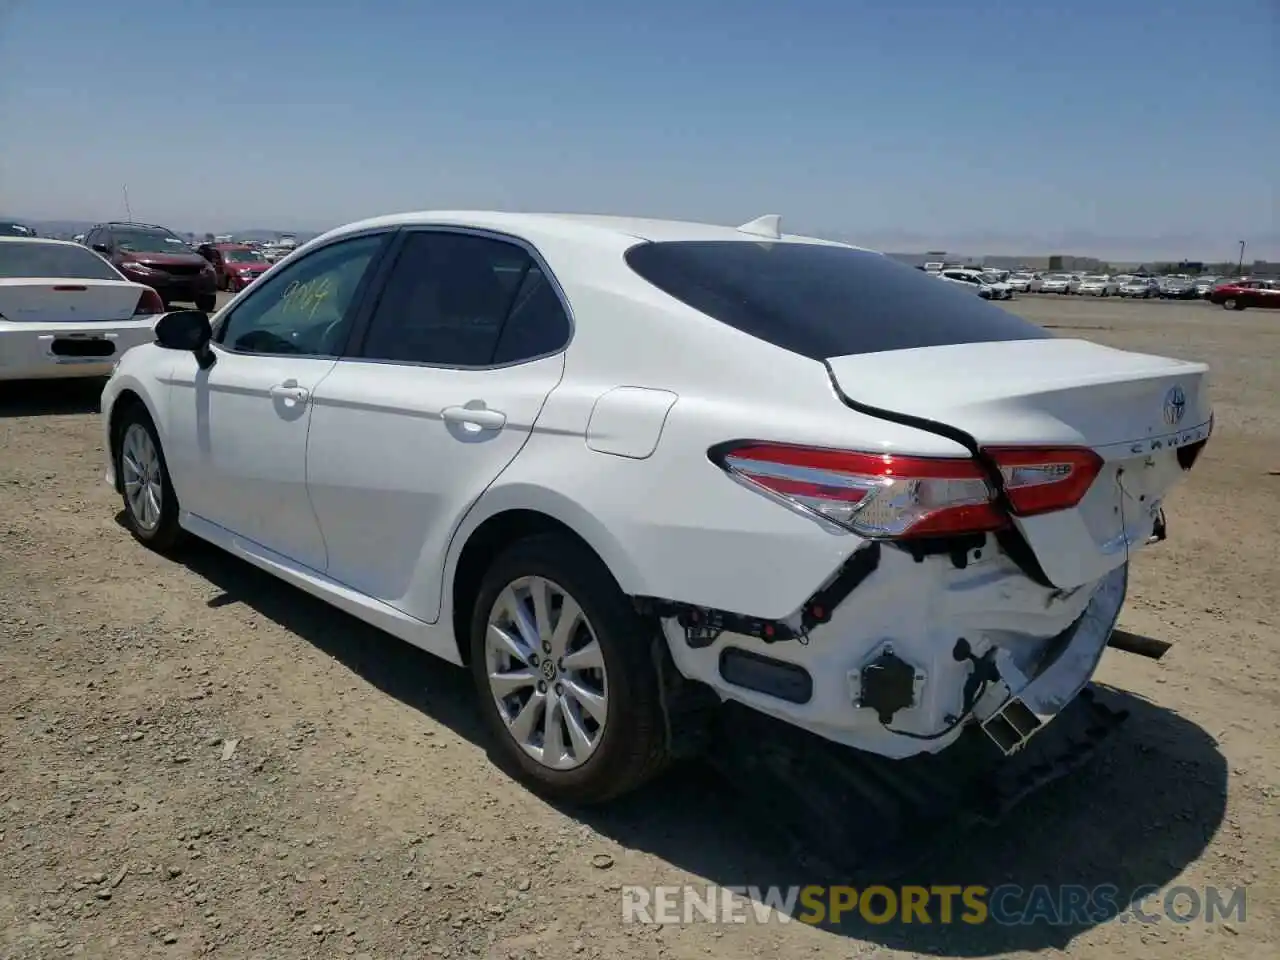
978 589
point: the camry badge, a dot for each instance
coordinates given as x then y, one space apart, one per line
1175 406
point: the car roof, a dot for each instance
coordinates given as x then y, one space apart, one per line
571 226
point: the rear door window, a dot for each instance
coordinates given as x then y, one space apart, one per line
823 301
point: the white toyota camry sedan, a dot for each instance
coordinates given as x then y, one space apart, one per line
618 465
66 312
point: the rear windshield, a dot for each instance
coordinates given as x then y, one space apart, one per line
823 301
63 261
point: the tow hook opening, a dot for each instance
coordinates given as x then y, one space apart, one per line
1012 726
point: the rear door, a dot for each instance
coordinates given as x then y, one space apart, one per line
459 352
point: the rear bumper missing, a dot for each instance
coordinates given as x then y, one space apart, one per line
884 675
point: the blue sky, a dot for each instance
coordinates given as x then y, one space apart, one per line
1125 127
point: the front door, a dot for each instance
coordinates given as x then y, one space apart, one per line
443 390
237 447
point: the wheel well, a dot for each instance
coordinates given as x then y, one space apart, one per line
487 541
126 401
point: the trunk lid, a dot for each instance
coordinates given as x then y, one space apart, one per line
1135 410
58 300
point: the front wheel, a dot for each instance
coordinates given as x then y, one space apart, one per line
1232 304
150 506
565 670
206 303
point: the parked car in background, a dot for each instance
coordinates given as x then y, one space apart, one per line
497 437
1247 292
159 258
66 312
1143 288
1097 285
236 265
975 280
1060 283
1025 282
1178 288
10 229
1205 285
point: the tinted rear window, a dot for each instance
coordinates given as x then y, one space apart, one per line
69 262
823 301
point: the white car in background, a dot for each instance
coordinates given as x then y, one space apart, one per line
1060 283
67 312
619 467
1025 282
1097 285
976 281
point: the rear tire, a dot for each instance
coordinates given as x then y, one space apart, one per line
630 747
207 303
150 505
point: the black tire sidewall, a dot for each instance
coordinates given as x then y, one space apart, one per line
625 757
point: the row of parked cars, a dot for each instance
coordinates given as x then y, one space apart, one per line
177 270
1234 294
71 308
1138 286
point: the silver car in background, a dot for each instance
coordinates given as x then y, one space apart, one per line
1140 287
1205 285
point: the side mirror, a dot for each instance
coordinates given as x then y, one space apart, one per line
189 331
102 248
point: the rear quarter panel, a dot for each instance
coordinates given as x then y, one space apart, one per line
672 524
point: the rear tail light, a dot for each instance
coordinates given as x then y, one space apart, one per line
887 496
1040 480
149 304
876 495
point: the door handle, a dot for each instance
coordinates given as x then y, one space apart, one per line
476 416
289 390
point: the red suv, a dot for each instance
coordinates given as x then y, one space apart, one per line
236 264
159 258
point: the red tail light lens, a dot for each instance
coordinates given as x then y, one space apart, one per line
1040 479
876 495
149 304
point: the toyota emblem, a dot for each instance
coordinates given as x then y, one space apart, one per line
1175 406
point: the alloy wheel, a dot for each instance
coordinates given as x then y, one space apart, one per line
546 673
140 473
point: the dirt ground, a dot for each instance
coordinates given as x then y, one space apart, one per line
196 759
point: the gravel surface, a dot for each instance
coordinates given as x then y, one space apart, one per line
196 759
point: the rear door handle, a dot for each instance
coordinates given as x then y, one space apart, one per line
480 417
289 390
